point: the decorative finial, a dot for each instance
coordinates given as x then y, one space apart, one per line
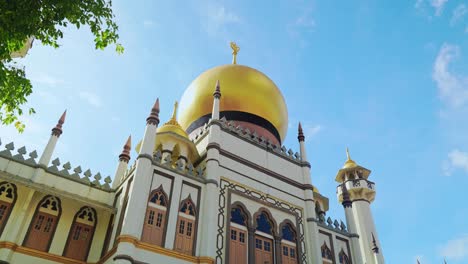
153 118
375 248
300 135
174 112
57 130
125 155
347 154
217 92
235 50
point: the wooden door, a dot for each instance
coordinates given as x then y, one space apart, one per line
4 212
153 228
263 250
238 246
288 254
185 234
79 241
41 231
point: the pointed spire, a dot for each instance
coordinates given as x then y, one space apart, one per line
300 134
346 197
153 118
125 155
417 261
57 130
174 112
347 154
217 92
375 248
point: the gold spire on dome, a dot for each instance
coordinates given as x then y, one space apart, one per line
173 120
349 162
235 50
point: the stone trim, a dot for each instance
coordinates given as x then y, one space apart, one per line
266 171
38 254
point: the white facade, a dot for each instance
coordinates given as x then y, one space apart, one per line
243 200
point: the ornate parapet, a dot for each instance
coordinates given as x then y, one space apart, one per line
61 170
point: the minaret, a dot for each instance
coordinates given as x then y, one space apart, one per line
210 201
356 193
49 149
301 139
314 255
124 158
140 189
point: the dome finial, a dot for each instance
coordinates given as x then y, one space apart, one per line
174 112
347 153
235 50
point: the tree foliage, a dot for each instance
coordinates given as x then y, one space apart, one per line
44 20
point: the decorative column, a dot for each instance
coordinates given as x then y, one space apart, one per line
139 191
211 198
311 233
124 158
277 242
49 149
251 245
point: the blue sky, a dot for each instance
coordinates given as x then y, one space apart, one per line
388 79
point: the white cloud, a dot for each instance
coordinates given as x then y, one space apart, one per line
453 88
458 13
91 98
311 131
216 18
455 249
306 21
438 6
456 160
148 23
47 79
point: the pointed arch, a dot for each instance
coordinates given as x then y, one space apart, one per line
43 224
289 245
8 195
265 226
155 218
326 252
81 234
185 229
238 233
343 258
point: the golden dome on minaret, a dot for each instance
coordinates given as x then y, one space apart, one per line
249 98
349 163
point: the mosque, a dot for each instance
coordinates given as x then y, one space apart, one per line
213 185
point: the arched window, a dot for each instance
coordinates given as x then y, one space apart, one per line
238 236
264 238
326 252
81 234
343 258
7 201
288 244
43 224
155 219
185 229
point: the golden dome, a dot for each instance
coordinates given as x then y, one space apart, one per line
247 95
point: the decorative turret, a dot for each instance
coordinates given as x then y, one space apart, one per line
356 193
124 158
49 149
